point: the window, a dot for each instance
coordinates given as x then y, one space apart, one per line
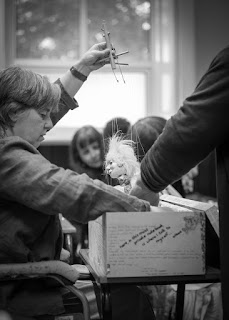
51 35
130 25
101 99
47 29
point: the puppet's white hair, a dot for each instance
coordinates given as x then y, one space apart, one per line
122 152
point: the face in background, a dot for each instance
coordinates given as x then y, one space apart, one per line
32 126
91 155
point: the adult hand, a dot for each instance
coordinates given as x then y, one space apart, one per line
88 63
142 192
91 59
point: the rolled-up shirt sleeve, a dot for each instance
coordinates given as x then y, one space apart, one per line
66 103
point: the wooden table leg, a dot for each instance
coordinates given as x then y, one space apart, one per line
180 301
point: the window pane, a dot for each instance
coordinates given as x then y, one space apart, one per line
128 22
47 29
102 98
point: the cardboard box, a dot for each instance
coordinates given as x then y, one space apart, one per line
138 244
208 209
212 251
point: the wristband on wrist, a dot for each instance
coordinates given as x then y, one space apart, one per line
78 74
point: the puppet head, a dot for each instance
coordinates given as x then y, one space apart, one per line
120 160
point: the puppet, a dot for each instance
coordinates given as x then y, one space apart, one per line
113 57
121 162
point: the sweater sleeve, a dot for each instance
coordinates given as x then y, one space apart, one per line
66 103
198 127
31 180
